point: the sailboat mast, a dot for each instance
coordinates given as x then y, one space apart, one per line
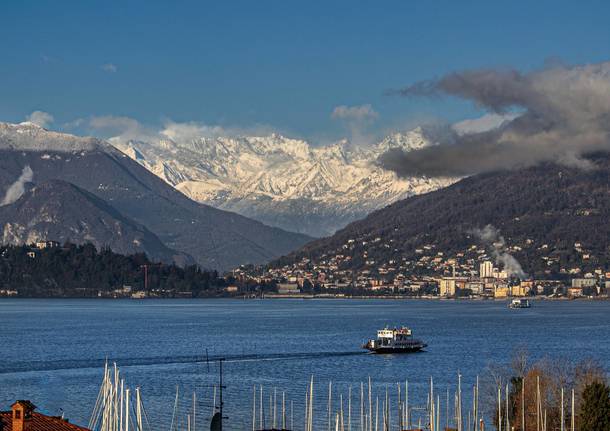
138 409
523 404
499 409
220 395
562 412
460 402
121 407
370 407
283 410
194 409
260 413
254 409
349 408
127 409
330 394
407 415
506 410
572 422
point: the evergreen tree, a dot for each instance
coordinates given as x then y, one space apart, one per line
595 410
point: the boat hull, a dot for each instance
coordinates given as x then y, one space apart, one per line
394 350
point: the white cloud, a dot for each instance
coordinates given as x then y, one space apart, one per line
186 132
109 67
358 113
356 119
121 129
483 124
74 123
40 118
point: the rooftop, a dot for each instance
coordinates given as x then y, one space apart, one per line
36 421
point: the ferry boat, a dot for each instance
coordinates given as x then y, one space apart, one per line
519 303
396 340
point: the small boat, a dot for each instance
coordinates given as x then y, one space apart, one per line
396 340
519 303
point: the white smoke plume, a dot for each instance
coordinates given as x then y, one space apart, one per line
16 190
491 237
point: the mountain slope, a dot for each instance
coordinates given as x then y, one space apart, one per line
61 211
285 182
215 238
545 209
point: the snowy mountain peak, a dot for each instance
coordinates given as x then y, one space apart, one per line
415 139
282 181
29 124
32 137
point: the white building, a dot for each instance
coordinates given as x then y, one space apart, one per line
446 286
486 269
583 282
502 275
288 288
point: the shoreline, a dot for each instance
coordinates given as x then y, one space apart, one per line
318 297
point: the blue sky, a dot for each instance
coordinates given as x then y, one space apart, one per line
279 64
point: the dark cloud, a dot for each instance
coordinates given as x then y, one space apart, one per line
565 114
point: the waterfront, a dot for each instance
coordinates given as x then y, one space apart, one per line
53 350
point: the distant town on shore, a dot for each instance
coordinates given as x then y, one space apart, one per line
49 269
470 273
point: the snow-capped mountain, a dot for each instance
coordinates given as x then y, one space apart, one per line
60 187
285 182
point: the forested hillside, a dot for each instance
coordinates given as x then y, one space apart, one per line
83 271
555 217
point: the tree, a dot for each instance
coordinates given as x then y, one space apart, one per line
541 382
595 411
79 270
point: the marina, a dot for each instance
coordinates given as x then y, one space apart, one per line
116 409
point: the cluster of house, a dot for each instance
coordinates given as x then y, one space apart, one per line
36 247
469 273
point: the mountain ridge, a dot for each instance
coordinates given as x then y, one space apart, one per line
282 181
60 211
207 234
544 210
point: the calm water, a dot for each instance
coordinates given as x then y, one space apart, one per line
53 350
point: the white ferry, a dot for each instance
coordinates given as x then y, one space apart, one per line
396 340
519 303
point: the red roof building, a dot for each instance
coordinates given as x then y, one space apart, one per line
22 417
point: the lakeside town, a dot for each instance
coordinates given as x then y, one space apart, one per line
432 274
474 272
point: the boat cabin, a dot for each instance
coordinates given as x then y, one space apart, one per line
387 336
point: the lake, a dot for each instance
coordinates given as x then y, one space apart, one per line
53 351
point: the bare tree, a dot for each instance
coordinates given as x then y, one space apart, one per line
535 390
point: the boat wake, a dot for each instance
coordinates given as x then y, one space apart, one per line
74 364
